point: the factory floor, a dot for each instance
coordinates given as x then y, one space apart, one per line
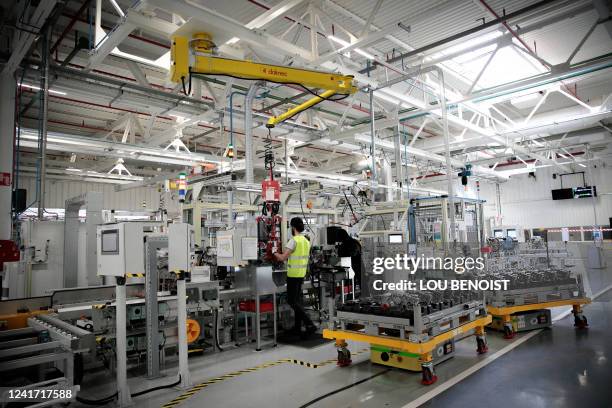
558 367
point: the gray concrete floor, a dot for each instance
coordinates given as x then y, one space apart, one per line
557 367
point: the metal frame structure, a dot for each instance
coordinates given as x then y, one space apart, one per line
92 202
471 118
152 244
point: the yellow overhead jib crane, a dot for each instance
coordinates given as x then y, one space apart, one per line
194 56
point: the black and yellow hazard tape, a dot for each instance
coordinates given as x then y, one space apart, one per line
197 388
134 275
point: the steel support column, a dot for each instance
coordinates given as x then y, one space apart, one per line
124 397
7 132
152 244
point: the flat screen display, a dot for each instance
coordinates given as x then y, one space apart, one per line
562 193
585 192
511 233
110 242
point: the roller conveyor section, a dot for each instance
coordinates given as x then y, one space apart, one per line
72 337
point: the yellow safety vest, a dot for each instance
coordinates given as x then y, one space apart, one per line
298 260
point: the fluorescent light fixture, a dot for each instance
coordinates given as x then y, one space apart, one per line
36 88
74 169
345 44
363 53
339 40
162 62
232 40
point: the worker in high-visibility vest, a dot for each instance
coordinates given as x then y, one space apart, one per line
296 254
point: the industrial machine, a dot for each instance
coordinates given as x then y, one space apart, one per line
193 54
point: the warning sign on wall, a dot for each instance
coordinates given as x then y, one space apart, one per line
5 179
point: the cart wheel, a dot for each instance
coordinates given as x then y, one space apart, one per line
508 332
344 357
580 322
428 375
481 345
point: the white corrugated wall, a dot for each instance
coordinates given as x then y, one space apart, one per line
528 202
58 191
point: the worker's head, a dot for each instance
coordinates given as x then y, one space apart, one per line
297 225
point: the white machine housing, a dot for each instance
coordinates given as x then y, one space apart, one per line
120 247
181 247
237 246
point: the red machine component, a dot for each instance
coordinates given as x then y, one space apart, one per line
9 252
249 306
270 190
269 222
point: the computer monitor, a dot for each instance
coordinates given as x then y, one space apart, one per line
511 233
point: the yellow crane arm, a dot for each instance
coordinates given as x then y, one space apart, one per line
194 57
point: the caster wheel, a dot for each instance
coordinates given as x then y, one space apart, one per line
428 376
482 347
508 333
581 322
344 357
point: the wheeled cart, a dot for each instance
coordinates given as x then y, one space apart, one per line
410 355
513 319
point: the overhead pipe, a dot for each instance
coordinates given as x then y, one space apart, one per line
543 126
70 25
372 136
248 129
449 168
43 117
398 160
532 83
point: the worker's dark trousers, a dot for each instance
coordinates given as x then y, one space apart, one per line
294 298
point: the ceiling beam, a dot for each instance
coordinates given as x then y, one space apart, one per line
23 40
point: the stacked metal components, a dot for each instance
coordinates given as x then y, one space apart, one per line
414 316
403 304
535 273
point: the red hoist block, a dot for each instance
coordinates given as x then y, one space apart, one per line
9 252
270 190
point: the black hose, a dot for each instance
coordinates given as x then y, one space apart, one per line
216 317
159 387
329 394
106 400
269 162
